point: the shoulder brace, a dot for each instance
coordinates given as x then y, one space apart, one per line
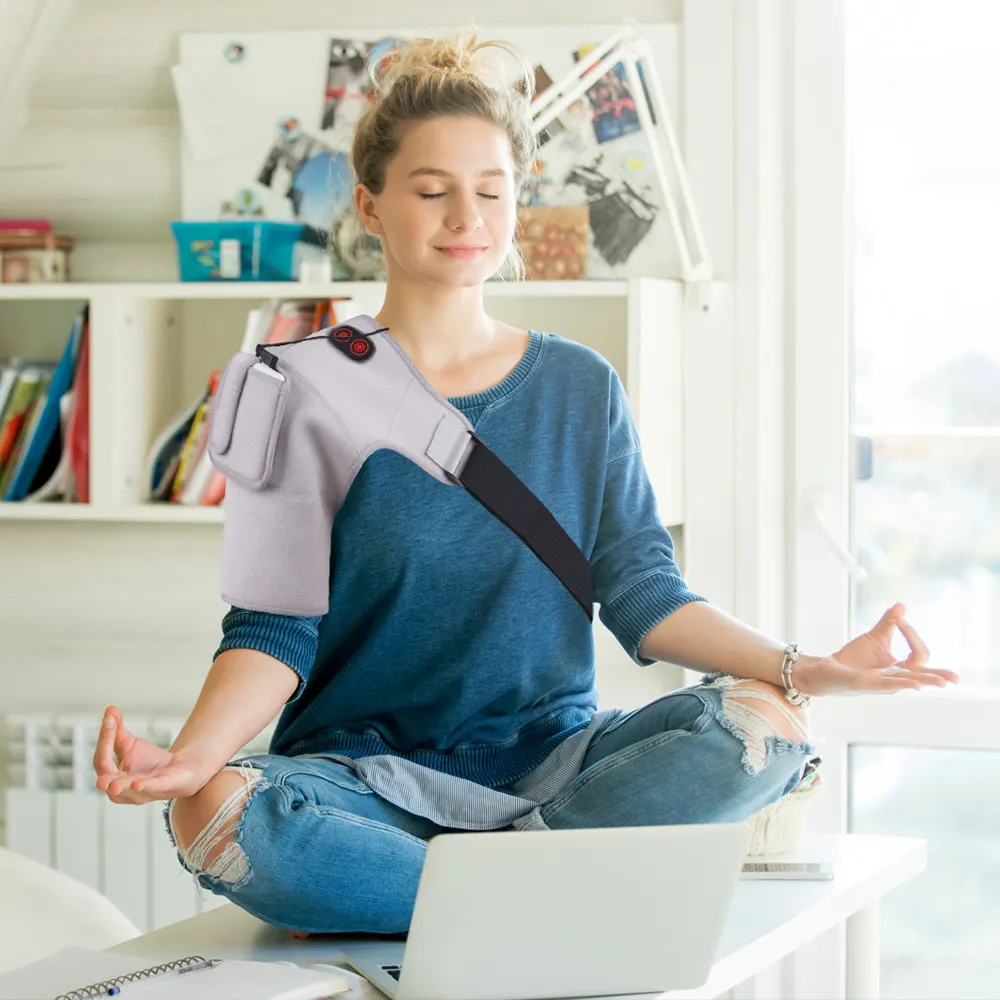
291 428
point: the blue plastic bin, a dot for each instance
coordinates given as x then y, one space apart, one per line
267 250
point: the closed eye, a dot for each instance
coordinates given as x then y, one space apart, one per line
441 194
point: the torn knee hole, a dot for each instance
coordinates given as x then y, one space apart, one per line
758 712
214 850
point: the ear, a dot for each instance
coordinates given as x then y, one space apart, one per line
364 202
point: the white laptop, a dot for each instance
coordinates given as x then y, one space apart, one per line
562 913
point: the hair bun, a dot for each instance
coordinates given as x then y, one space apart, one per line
430 59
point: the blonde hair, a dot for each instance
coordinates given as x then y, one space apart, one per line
426 78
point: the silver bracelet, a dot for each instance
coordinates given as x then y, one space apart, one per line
792 694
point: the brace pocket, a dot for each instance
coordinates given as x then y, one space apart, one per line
244 428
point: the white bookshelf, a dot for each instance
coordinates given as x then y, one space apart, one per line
290 290
154 343
160 513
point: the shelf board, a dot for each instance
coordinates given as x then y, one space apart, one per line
252 290
157 513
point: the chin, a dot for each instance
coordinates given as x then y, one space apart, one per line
465 276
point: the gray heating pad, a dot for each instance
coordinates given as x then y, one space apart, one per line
290 436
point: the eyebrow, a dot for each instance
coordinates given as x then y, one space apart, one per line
436 172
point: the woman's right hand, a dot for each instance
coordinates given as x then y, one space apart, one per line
132 770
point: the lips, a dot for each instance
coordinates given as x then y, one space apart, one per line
462 251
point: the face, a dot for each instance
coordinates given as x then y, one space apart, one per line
447 212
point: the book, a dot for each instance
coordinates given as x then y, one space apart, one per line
52 480
76 487
190 451
46 420
164 456
8 376
74 972
17 411
31 421
178 466
202 470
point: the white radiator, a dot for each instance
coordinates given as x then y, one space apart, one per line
55 815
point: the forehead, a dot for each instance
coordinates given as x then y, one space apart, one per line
453 144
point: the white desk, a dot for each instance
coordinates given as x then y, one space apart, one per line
767 921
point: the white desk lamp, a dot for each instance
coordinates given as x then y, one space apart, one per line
629 48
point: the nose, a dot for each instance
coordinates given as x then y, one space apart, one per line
463 213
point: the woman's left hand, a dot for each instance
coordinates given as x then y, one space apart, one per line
866 665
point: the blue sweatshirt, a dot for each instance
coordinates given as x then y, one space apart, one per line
447 641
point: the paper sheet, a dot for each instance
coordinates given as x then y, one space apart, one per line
218 117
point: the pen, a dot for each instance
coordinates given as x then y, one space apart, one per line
208 963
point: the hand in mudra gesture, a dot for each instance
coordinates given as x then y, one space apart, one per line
866 664
134 770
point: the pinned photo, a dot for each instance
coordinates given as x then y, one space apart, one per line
284 159
620 217
315 178
612 103
346 79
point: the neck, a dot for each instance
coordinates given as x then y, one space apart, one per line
435 325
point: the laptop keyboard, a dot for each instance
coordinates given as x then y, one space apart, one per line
392 970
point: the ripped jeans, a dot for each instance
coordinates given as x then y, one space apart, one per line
310 847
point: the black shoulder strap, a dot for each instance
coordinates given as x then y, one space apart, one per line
503 494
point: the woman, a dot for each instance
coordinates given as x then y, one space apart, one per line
450 686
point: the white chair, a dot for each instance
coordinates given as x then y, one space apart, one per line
42 910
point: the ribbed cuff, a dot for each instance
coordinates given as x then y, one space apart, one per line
636 610
293 640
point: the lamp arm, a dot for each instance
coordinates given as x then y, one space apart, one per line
703 270
576 82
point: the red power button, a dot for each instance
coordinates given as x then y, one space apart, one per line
360 347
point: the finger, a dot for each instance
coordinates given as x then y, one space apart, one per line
117 784
129 798
104 780
104 758
157 786
900 677
886 683
148 785
124 738
884 626
141 778
121 728
920 654
120 788
927 678
933 674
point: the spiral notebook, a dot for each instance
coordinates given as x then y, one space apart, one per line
82 974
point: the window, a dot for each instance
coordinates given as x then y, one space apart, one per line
940 930
924 115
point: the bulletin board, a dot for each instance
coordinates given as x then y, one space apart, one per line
267 120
